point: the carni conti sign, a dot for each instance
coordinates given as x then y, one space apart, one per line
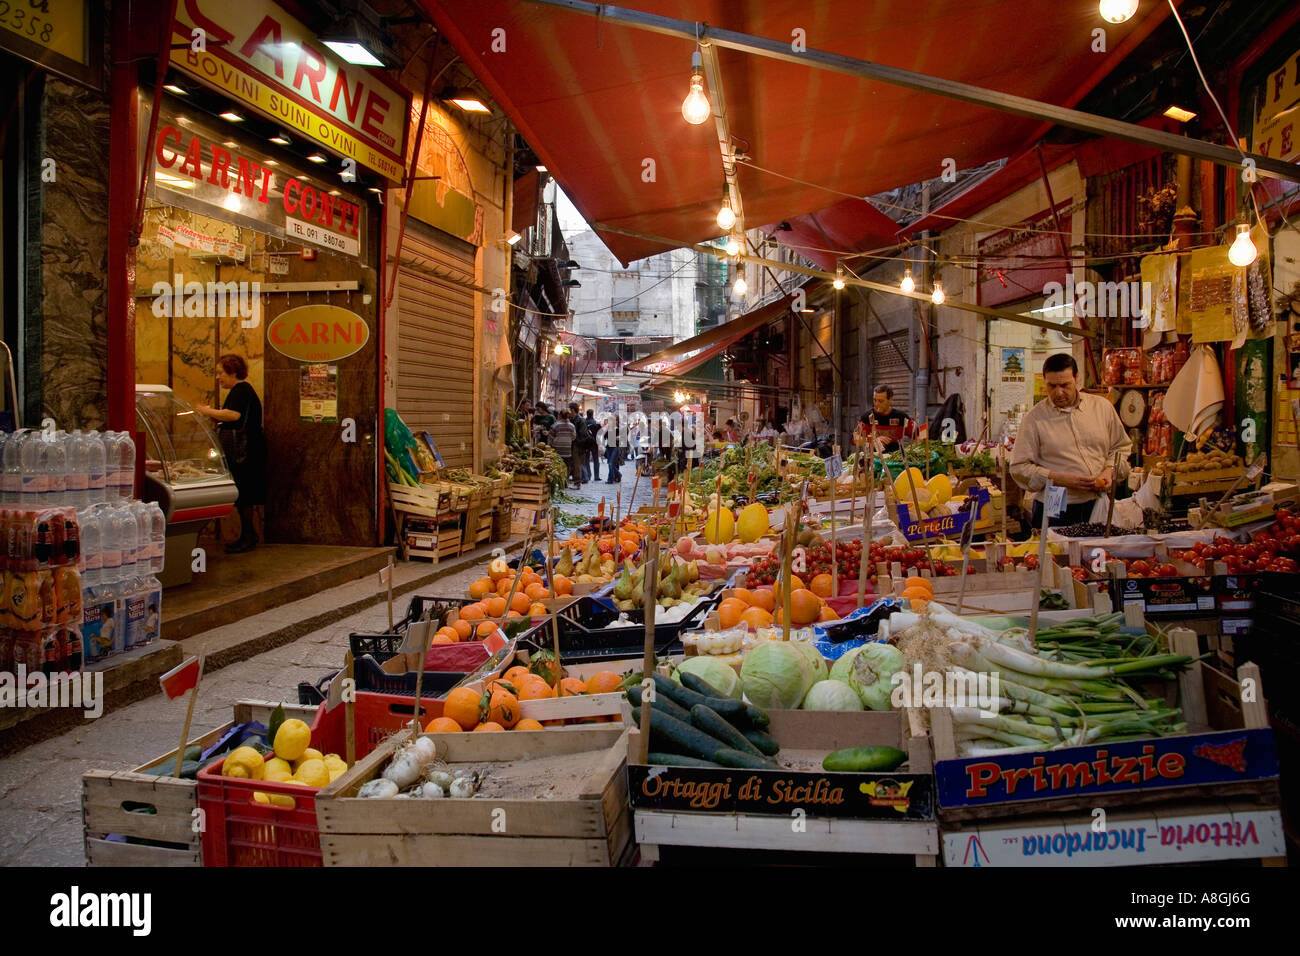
318 333
259 55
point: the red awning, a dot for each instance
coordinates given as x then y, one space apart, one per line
693 352
596 99
836 232
523 212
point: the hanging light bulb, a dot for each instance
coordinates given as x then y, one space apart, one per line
741 286
907 285
838 283
1118 11
937 295
559 349
1242 252
696 108
726 215
733 245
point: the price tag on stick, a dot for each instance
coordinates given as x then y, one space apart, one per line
1054 500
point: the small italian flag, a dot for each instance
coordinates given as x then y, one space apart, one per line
182 677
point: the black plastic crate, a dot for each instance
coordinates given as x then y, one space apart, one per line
586 634
371 677
379 646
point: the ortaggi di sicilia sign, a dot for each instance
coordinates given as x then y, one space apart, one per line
257 54
318 333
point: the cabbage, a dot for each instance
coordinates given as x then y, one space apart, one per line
832 695
868 670
774 674
718 674
816 663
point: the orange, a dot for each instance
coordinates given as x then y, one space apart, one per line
503 706
462 628
920 582
519 603
821 585
537 608
515 674
485 629
572 687
504 586
744 594
528 724
606 545
442 725
537 591
804 607
764 598
563 585
628 548
534 687
530 577
756 617
489 726
441 638
604 682
472 612
828 614
452 635
480 588
495 606
461 705
730 612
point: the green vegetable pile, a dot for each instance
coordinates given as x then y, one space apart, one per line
532 459
693 724
736 462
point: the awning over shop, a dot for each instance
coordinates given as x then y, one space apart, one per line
600 102
693 352
581 345
836 232
523 212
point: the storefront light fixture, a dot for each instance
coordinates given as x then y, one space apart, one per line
696 108
316 158
838 283
1242 252
281 140
467 100
178 90
270 162
231 203
511 237
541 169
559 349
1180 114
907 285
376 190
359 36
937 295
232 116
230 144
741 286
726 215
1118 11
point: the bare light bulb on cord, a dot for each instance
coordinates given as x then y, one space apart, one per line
1118 11
907 285
696 109
937 295
1242 252
741 286
726 215
733 246
838 283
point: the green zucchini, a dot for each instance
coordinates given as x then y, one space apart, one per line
700 686
673 735
737 758
677 760
689 698
864 759
757 717
709 721
766 745
662 704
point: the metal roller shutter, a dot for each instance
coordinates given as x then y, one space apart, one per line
435 341
889 367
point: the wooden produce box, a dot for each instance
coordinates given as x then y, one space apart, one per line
1228 755
892 813
531 490
991 589
565 804
478 527
171 831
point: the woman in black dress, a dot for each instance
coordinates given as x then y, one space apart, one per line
241 412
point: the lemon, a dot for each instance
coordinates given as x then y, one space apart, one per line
308 754
312 773
274 799
260 797
335 774
291 739
754 522
244 762
720 525
334 762
277 765
277 776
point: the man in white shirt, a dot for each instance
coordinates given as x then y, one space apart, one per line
1072 438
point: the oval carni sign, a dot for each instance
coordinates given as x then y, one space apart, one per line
318 333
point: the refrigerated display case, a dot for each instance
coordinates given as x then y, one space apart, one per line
184 471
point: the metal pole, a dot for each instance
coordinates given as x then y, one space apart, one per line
922 83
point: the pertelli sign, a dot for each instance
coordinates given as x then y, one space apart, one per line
877 796
256 53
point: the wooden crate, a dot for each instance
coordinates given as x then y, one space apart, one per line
478 527
106 796
531 490
1195 773
592 830
759 805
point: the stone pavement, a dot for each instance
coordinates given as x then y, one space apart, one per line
40 787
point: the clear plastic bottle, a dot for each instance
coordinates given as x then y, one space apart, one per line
78 475
95 464
88 519
11 484
126 466
157 536
130 538
32 466
110 543
144 538
112 462
56 469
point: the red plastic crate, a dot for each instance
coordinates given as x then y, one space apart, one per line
241 832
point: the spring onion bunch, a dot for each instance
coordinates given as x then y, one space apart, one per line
1073 684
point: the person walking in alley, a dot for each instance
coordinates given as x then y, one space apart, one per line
594 449
584 442
563 437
